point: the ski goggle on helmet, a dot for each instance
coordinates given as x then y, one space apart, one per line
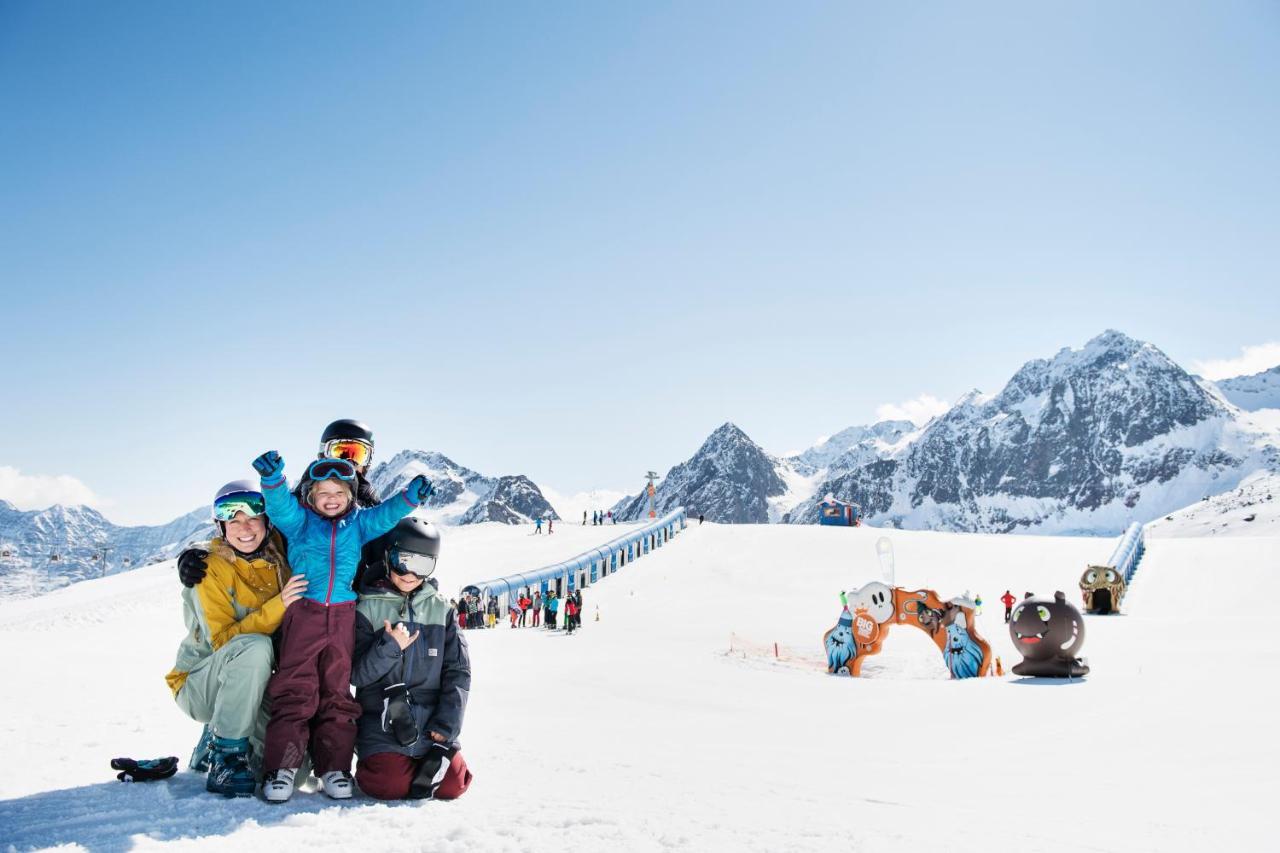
236 498
358 452
338 469
408 563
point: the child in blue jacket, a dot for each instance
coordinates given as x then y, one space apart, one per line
310 691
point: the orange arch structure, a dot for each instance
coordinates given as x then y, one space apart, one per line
875 608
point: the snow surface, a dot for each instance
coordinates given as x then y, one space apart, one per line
1251 509
643 733
1259 391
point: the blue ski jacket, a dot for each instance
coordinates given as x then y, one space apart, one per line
327 550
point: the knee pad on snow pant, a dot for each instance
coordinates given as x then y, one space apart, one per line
385 776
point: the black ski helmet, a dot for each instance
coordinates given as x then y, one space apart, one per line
415 535
346 428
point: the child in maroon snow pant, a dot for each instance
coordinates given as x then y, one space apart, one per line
310 696
311 690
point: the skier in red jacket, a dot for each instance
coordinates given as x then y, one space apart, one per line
1007 600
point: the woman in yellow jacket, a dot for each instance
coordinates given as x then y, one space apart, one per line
225 661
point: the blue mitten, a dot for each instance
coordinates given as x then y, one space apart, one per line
269 465
419 490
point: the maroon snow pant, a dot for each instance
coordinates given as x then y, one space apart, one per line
388 775
311 689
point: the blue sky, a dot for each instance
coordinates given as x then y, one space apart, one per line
569 240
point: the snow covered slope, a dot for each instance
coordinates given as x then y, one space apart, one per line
1259 391
1250 509
641 733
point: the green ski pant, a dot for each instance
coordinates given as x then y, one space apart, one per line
226 689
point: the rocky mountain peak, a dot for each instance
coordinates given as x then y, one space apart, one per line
729 479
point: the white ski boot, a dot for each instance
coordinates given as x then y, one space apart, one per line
337 784
278 786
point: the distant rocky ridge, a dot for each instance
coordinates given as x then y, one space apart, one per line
1084 442
729 476
463 496
61 545
1251 393
44 549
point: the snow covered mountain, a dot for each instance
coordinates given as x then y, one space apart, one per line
729 479
462 495
1250 509
1259 391
1086 441
44 549
851 446
77 536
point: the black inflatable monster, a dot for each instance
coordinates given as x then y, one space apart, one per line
1048 633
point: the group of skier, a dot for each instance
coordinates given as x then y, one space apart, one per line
523 610
302 595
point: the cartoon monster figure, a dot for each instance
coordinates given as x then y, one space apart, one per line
841 649
1102 588
963 654
875 600
1048 633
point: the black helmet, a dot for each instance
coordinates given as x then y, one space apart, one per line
346 428
415 537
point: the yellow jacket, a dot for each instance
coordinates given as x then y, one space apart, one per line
237 596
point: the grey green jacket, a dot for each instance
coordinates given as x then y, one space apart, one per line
436 668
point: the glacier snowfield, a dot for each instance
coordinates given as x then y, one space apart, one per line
644 733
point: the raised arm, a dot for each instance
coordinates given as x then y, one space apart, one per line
282 507
377 520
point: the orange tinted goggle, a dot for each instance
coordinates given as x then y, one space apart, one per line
358 452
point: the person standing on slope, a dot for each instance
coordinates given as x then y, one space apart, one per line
1008 601
310 692
224 663
570 608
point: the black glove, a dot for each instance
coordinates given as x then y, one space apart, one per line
397 716
192 566
147 770
431 772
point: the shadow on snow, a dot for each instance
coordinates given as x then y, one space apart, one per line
108 815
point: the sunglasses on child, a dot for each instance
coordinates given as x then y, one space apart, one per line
324 469
407 563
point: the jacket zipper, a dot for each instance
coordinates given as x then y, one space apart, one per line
408 662
333 565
